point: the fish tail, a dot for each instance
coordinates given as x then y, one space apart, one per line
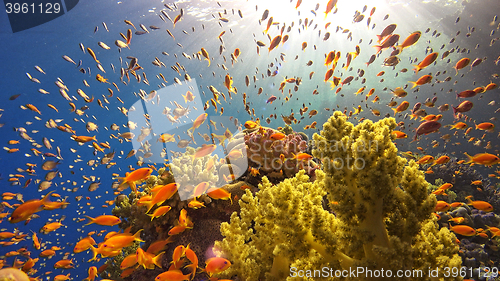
378 48
417 69
133 186
414 84
150 205
379 38
192 268
470 160
137 235
395 111
157 260
91 220
94 253
45 198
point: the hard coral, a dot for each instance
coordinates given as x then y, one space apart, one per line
382 214
274 158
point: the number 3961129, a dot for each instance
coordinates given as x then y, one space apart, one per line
32 8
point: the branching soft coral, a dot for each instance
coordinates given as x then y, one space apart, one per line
381 215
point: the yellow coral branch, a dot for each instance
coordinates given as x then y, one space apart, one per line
345 261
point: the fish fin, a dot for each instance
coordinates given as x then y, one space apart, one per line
469 158
137 235
45 198
91 220
157 260
94 253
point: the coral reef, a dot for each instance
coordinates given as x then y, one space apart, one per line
275 157
188 173
461 176
381 214
478 250
206 220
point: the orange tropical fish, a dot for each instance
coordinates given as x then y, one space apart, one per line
36 241
199 120
53 226
409 41
92 54
386 32
425 160
172 275
277 136
28 208
92 273
206 55
64 263
193 204
159 245
302 156
441 160
161 193
486 126
428 60
463 230
191 256
159 212
482 159
329 6
459 125
121 240
148 260
83 139
219 193
216 265
137 175
204 150
47 253
128 261
200 189
490 86
274 43
62 277
399 135
177 255
457 220
33 108
101 79
422 80
388 42
442 206
108 220
480 205
446 186
84 244
402 107
461 64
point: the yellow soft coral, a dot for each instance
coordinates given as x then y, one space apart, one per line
377 215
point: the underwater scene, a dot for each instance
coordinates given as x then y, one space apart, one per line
250 140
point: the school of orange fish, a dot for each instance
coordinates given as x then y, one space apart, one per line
19 207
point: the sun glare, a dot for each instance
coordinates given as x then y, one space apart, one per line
285 12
